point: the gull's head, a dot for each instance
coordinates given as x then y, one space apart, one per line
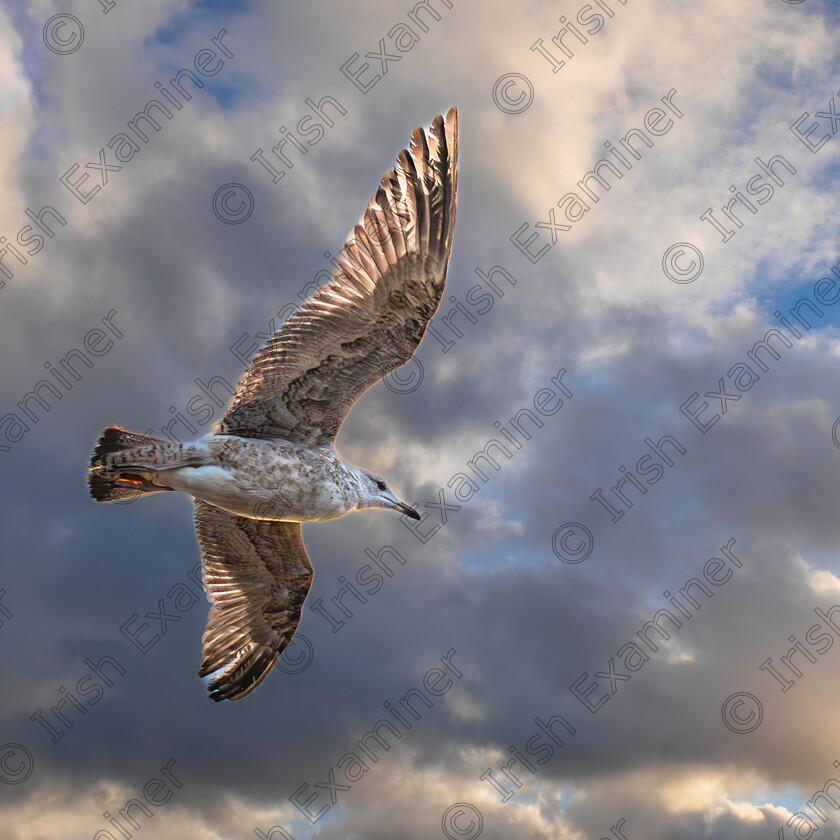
377 494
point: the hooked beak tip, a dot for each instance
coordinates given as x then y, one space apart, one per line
410 512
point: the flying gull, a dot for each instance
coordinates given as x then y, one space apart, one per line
270 463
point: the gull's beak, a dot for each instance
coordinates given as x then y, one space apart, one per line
410 512
393 503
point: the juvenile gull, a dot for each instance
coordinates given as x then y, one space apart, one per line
270 463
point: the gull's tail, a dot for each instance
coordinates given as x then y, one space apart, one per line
122 461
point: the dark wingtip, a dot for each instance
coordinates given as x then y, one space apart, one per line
234 683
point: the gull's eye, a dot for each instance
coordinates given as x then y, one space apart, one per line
380 485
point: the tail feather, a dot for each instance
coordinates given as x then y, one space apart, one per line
120 459
104 488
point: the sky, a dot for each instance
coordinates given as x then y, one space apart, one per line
625 626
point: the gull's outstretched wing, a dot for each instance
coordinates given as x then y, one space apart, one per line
256 574
369 318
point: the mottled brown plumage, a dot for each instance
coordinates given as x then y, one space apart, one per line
257 575
370 317
270 462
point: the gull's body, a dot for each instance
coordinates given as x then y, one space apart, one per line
270 463
270 480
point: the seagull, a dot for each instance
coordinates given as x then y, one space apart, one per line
270 463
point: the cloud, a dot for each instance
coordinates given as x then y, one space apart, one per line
525 625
